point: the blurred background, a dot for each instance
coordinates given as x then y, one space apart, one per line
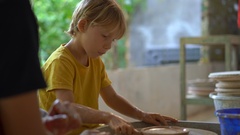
144 66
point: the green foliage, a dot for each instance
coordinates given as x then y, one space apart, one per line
122 50
54 17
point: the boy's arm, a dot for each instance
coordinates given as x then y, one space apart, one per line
93 116
118 103
88 115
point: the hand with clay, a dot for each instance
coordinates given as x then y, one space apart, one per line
61 118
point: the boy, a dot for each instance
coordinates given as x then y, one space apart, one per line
75 72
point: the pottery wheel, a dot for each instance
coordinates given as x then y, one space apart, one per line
194 131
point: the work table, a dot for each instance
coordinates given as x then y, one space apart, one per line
210 126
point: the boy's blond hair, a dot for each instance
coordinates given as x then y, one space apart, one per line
106 13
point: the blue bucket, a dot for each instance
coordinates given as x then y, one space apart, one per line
229 121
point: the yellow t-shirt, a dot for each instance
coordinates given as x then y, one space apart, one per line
62 71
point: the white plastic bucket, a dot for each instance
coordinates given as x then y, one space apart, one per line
222 102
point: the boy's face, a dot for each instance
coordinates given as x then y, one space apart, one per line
97 41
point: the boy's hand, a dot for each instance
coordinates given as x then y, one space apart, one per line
157 119
121 126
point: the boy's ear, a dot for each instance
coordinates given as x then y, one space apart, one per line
82 25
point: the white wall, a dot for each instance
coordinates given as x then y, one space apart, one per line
157 89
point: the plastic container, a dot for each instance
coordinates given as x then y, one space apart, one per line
222 102
229 121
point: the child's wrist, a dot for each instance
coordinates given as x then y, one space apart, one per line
107 116
140 114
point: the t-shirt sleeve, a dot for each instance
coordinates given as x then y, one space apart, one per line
60 74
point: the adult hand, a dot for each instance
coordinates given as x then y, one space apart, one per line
157 119
62 118
120 126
